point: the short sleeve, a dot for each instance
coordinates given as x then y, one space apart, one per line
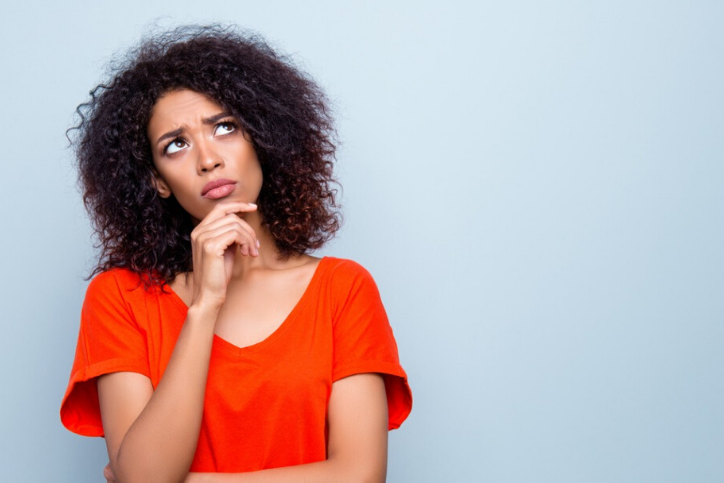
363 338
109 341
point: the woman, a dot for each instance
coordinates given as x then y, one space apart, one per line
212 346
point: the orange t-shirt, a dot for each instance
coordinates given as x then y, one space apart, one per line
265 404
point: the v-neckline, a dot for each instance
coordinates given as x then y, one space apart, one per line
235 349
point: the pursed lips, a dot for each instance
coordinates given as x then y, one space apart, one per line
218 188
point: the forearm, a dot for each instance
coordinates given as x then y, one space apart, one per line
321 472
160 444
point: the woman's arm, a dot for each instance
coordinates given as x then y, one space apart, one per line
357 447
151 435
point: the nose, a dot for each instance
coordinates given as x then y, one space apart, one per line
208 158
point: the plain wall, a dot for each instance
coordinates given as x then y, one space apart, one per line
535 186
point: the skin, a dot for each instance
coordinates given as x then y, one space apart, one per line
237 271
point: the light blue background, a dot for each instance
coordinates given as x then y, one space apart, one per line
536 187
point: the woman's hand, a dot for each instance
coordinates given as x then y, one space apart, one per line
108 474
136 416
214 242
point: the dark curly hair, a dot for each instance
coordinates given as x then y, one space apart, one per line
283 111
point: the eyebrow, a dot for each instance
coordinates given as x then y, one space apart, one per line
209 120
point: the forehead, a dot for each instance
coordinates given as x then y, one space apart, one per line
179 108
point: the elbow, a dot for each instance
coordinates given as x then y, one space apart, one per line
374 477
147 477
361 472
367 477
147 471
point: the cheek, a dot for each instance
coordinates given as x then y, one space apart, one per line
256 174
255 182
183 191
248 168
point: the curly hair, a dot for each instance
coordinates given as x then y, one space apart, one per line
284 112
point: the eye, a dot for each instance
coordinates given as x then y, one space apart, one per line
226 127
175 146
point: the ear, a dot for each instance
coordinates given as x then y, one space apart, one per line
161 186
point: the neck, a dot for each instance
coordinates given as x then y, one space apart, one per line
269 256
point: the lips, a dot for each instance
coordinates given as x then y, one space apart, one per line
218 188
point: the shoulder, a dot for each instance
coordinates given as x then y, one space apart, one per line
116 283
116 296
115 279
347 276
345 270
350 284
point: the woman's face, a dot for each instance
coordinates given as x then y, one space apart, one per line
200 154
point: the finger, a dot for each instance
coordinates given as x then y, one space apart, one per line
217 241
201 233
226 220
225 208
241 239
209 236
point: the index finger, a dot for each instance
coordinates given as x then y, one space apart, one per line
226 208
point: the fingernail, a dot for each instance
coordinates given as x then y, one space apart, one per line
258 244
252 204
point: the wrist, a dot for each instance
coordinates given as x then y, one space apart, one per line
204 311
